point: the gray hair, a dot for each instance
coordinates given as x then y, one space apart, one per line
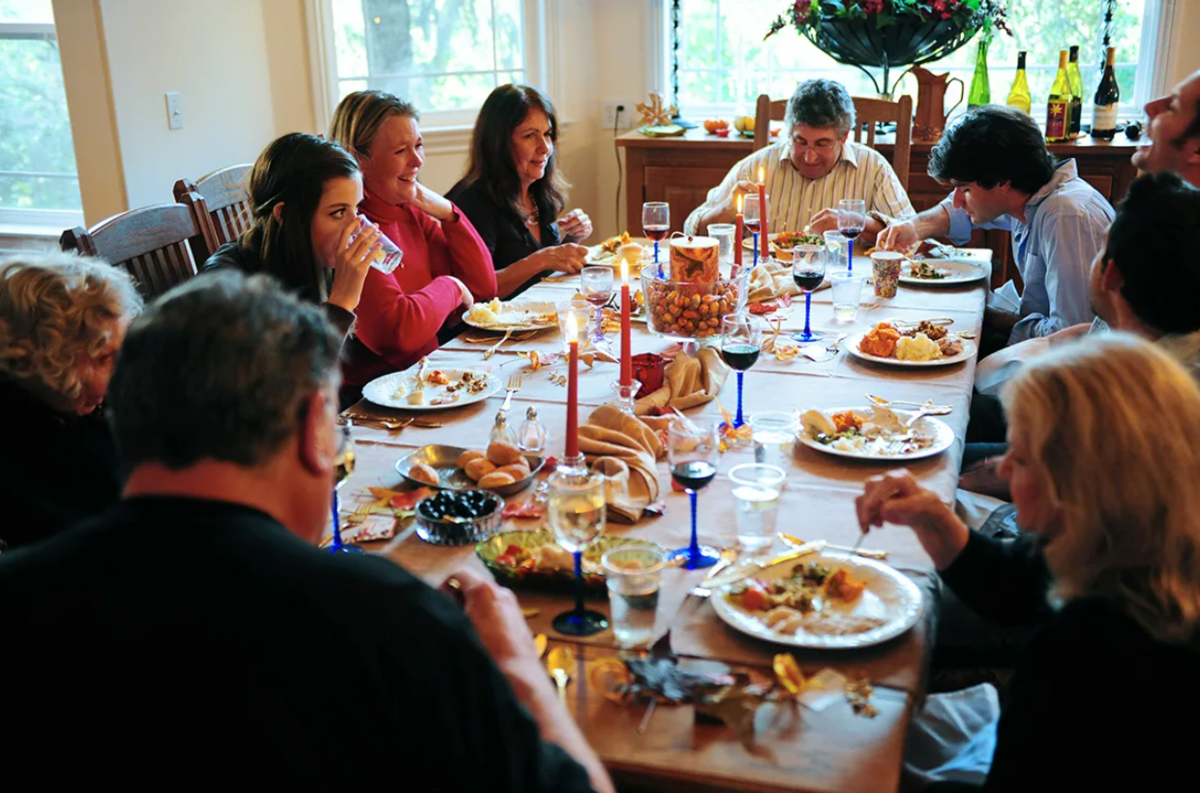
219 368
821 103
52 308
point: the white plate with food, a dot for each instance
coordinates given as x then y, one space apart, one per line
941 272
437 389
923 345
516 315
610 252
829 601
873 433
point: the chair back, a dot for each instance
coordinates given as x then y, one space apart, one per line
222 200
868 113
151 243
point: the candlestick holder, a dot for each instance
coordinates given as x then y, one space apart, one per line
625 395
572 464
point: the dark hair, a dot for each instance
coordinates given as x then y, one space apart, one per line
490 163
821 103
218 368
293 169
1156 224
991 145
1193 127
358 117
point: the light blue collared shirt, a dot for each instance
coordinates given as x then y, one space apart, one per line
1053 245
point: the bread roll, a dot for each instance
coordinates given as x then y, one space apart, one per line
517 471
424 473
503 453
468 456
495 479
478 467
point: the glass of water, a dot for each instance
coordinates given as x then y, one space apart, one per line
846 288
756 490
723 234
633 575
773 436
835 243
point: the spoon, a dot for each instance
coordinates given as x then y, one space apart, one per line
558 662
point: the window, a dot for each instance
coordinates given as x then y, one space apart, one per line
38 180
444 56
724 64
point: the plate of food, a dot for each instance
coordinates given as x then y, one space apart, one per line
825 602
534 559
873 433
431 389
783 242
501 467
515 315
925 344
636 250
941 272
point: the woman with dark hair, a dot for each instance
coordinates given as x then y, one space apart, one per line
513 192
446 265
304 194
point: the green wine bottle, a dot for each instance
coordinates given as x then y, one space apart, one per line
1075 80
1019 97
981 93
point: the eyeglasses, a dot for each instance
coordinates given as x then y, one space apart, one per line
821 146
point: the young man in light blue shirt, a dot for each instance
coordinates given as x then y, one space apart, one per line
1003 177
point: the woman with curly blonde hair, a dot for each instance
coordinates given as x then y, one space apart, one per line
1104 441
62 320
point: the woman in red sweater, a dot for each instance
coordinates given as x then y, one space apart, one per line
446 265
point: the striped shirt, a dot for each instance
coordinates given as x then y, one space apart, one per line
793 200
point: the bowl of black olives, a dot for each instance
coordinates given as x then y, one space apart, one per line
459 517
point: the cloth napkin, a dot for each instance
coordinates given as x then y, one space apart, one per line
769 280
688 381
624 449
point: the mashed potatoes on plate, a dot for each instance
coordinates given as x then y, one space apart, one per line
917 348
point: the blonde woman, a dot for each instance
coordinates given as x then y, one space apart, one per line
62 319
1104 437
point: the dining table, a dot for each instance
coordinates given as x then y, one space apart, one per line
793 748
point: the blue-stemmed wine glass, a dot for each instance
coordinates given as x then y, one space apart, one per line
693 452
740 346
808 271
852 219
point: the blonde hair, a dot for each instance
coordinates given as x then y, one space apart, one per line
54 306
1113 429
359 115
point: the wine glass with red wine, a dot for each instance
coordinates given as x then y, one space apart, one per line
752 219
693 452
852 219
808 271
656 222
596 284
740 345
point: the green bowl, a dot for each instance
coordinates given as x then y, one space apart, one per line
558 580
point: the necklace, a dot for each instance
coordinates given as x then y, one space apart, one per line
532 219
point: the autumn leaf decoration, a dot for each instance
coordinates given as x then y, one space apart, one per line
656 114
730 435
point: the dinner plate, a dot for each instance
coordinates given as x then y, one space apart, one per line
967 353
939 432
596 255
958 271
531 309
444 460
556 579
889 596
391 390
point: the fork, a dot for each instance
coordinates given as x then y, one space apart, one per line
514 385
492 350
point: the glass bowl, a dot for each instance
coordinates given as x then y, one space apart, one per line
443 520
687 310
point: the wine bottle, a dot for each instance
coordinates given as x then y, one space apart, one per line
1058 106
981 93
1108 97
1075 81
1019 96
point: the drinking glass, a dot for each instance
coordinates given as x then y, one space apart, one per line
740 345
773 437
582 309
633 576
597 288
388 257
756 490
846 288
692 452
852 219
808 271
343 466
835 243
723 233
576 511
656 222
752 219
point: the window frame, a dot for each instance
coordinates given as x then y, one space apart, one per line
53 218
1160 39
538 18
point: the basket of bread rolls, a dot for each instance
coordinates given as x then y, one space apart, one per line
501 468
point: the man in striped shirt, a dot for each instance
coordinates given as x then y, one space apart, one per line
810 170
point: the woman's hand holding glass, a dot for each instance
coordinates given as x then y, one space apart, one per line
898 498
357 249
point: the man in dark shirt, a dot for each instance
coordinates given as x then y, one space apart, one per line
193 633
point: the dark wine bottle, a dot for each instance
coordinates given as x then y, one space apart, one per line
1075 81
1106 102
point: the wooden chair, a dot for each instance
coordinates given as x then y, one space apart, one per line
151 243
222 202
868 113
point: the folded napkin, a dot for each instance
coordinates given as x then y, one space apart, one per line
624 449
688 381
769 280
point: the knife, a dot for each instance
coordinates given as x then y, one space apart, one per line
736 573
796 542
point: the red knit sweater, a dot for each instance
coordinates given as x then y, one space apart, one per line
400 314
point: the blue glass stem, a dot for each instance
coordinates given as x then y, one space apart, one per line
337 528
656 264
694 548
755 249
849 255
807 314
737 422
579 584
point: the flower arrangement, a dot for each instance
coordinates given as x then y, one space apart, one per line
964 14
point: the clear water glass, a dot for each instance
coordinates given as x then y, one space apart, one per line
723 233
846 289
773 437
756 490
835 243
633 575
